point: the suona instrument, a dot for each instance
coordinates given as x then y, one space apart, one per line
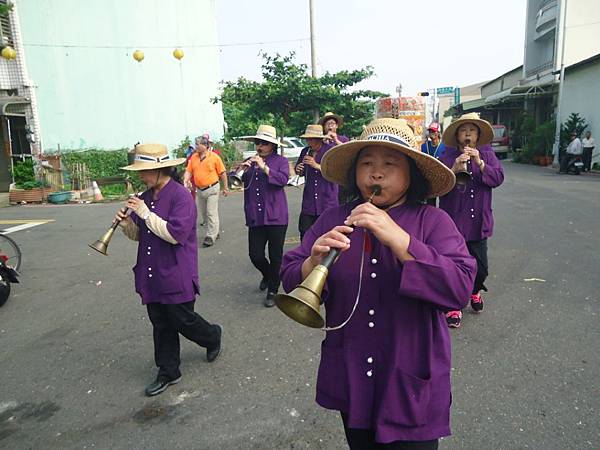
303 304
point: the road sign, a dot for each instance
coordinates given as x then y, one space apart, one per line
457 96
445 91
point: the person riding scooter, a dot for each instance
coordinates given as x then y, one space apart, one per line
571 162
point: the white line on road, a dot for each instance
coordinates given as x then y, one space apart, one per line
22 227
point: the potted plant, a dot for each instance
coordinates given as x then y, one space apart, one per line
27 188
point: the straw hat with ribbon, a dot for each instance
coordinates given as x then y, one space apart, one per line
330 115
394 134
313 132
486 132
264 133
152 156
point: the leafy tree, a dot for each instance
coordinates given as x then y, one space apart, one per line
288 96
574 124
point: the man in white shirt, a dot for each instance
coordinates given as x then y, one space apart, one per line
574 149
588 149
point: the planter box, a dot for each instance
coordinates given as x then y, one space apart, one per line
30 195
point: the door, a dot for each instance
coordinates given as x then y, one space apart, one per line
5 159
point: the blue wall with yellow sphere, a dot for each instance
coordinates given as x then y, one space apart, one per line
90 90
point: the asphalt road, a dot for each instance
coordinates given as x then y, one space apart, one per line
76 345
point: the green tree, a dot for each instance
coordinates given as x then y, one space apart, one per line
574 124
288 95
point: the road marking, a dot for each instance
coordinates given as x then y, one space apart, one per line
24 224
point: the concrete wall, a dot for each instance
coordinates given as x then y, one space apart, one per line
581 95
90 90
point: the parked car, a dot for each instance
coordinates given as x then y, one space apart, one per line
501 141
292 151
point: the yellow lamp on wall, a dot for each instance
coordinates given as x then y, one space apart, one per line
178 54
8 53
138 55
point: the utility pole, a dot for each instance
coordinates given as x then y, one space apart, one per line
563 19
313 48
399 90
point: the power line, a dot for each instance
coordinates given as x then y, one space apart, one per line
129 47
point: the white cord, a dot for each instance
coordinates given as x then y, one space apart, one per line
362 262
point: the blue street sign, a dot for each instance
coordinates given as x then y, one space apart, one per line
445 90
457 96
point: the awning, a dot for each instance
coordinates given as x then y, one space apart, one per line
518 92
12 100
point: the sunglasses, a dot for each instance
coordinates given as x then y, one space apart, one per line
261 142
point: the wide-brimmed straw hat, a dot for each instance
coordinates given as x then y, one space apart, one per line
486 132
264 133
394 134
152 156
330 115
313 132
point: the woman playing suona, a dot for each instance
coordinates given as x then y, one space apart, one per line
388 369
318 194
163 221
468 149
265 206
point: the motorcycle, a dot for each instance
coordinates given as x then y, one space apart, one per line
9 254
575 165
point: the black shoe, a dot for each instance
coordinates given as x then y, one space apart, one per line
263 284
208 242
214 352
270 300
159 385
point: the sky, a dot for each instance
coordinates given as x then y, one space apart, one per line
419 44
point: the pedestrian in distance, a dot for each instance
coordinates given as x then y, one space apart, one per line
385 361
265 207
206 169
331 122
163 221
319 194
468 151
573 151
588 145
433 146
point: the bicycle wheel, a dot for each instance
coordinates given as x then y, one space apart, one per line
10 251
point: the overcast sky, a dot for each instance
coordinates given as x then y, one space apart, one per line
421 44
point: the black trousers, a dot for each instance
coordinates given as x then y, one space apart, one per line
359 439
168 321
564 162
305 221
258 238
478 249
587 158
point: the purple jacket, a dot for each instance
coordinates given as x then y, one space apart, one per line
319 194
470 206
389 367
167 273
265 202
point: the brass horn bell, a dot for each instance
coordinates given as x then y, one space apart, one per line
303 304
101 245
463 177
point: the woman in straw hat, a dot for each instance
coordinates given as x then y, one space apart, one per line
468 148
403 265
319 193
331 122
265 207
163 221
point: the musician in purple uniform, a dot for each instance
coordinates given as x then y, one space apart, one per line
403 265
265 206
468 150
163 221
331 122
319 194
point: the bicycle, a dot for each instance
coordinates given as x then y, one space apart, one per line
10 252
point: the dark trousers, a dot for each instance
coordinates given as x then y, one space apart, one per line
305 221
359 439
168 321
587 158
258 238
565 161
478 249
